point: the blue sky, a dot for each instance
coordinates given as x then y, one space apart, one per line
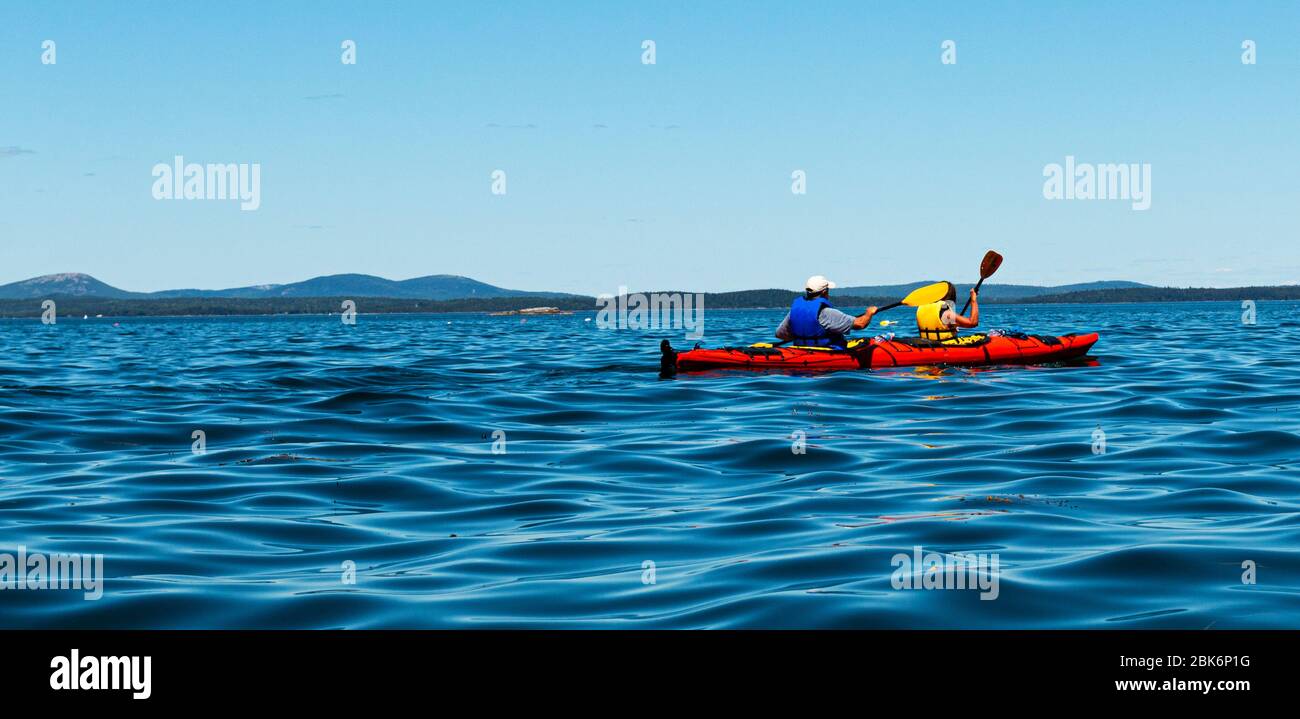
667 176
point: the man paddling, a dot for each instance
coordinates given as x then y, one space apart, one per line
813 321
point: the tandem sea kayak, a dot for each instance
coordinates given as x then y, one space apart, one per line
969 350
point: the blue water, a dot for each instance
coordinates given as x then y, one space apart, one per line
373 444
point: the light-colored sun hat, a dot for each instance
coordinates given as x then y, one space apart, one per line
817 283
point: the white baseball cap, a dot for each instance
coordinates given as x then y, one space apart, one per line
817 283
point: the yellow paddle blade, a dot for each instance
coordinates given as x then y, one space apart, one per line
926 295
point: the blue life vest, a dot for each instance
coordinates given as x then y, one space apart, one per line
805 328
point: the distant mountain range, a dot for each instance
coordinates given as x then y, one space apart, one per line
444 287
432 287
79 294
990 291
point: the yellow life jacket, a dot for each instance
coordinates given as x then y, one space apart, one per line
930 324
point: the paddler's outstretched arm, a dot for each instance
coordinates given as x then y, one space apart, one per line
864 319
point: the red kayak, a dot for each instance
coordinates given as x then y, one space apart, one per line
969 350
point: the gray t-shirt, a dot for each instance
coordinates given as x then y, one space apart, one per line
831 319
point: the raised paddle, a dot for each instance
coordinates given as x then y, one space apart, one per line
992 261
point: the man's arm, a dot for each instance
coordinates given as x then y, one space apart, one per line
974 319
864 319
837 322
